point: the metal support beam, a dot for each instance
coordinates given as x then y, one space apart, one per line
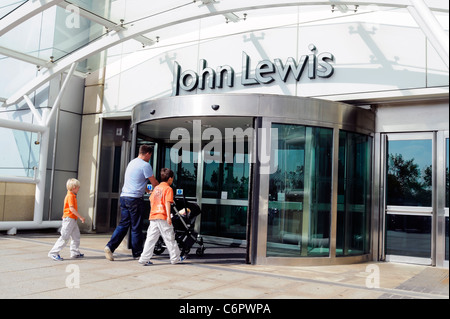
33 109
60 94
22 126
24 57
431 27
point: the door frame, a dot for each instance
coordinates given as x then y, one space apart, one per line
407 210
442 212
159 159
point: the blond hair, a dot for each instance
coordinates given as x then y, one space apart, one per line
72 183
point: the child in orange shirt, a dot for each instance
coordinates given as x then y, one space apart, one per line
69 227
161 221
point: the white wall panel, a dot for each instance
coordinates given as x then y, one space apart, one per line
373 52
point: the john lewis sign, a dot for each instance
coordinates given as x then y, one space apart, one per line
265 72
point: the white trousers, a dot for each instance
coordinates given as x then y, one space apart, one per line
160 227
69 230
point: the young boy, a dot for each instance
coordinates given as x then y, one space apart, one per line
161 221
69 225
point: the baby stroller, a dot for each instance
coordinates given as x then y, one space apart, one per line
184 214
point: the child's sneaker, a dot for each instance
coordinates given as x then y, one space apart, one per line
108 253
180 260
56 257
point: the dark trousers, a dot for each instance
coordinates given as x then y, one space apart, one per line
131 210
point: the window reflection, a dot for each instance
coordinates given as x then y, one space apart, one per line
22 156
185 171
224 221
409 173
408 235
224 179
300 192
353 217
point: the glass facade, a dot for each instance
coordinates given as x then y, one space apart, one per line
228 176
408 235
409 173
226 179
354 193
300 192
184 165
22 157
409 191
226 221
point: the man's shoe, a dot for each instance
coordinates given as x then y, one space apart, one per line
108 253
80 255
148 263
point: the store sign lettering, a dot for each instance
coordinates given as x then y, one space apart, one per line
265 72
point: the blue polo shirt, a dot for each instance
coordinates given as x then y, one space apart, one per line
136 177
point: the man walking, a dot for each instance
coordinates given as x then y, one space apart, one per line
138 172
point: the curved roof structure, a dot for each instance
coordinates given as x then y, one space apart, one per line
74 34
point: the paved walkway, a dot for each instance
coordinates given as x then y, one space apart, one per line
27 272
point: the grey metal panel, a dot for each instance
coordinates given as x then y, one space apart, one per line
73 98
68 141
58 193
412 116
312 111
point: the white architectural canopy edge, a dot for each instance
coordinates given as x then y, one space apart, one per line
24 12
24 57
432 29
174 17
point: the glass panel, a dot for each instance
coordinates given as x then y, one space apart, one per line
224 221
224 179
22 155
408 235
353 215
129 11
59 33
409 173
8 6
300 192
185 171
23 73
71 31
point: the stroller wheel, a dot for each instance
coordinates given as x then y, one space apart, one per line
200 251
159 247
